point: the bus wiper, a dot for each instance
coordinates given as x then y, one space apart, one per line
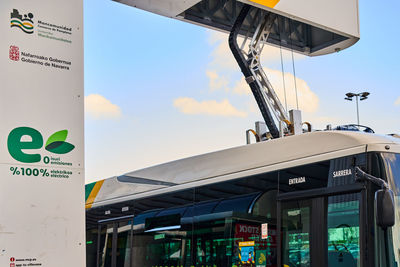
362 176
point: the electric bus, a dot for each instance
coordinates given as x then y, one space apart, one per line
328 198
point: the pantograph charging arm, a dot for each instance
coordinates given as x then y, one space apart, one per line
245 68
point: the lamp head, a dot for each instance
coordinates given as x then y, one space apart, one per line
365 94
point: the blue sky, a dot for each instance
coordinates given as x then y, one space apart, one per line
150 81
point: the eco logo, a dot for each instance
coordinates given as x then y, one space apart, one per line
25 23
14 53
33 139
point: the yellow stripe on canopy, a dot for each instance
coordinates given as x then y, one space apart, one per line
267 3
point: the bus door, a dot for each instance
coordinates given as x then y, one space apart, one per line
114 242
319 230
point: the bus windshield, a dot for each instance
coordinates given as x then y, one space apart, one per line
392 170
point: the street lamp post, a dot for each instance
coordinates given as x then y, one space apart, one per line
362 96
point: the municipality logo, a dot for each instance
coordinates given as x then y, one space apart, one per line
25 22
14 53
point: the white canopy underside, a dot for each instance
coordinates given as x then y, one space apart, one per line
311 27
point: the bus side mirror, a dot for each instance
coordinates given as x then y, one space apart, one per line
384 203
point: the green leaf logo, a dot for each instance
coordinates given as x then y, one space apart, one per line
56 143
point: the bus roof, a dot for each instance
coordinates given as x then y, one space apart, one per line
235 163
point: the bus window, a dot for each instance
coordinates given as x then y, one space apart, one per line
266 205
212 249
343 231
123 244
304 177
341 170
307 241
91 246
161 248
265 246
105 252
296 217
387 166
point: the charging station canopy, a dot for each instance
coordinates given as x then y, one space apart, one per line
309 27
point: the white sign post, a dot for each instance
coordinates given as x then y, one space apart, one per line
41 133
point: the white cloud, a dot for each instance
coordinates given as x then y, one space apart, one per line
308 100
397 102
222 57
99 107
241 87
210 107
252 106
217 82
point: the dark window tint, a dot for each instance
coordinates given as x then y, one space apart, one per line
304 177
341 170
179 211
238 204
141 218
200 209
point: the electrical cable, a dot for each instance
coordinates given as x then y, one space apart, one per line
294 69
283 70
